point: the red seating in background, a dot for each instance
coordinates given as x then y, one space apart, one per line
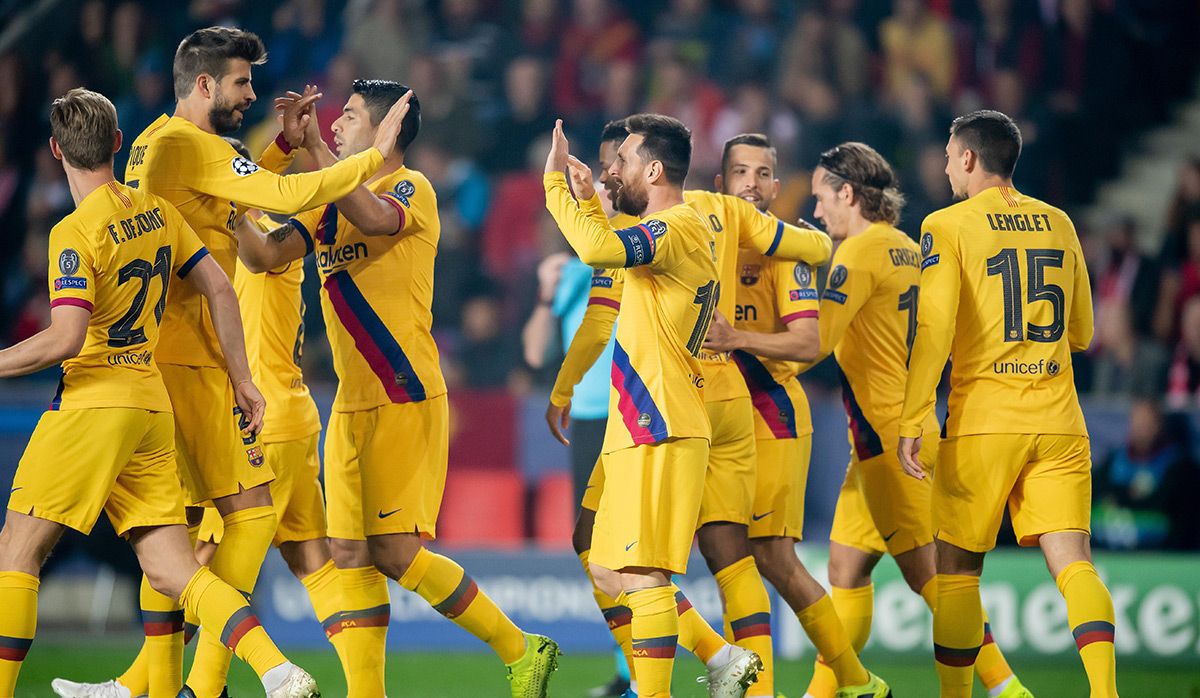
482 508
554 512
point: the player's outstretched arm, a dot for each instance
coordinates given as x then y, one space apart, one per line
62 340
799 342
775 238
262 250
591 239
207 277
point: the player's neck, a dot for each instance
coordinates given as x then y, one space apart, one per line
856 225
84 182
662 198
987 182
197 114
394 162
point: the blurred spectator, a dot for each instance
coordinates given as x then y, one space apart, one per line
1182 283
468 40
752 110
1187 199
1128 359
596 35
524 117
152 96
1183 381
917 44
679 90
539 30
1002 36
336 87
694 29
488 353
926 190
750 44
447 113
828 47
302 42
384 37
1143 493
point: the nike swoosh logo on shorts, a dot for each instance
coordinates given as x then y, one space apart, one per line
759 517
630 546
890 535
382 515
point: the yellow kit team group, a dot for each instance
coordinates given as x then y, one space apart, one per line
717 311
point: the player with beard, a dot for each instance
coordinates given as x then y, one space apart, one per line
183 159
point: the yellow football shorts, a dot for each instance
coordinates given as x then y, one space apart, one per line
1046 479
729 482
852 522
647 514
779 487
119 459
385 469
595 487
295 493
215 457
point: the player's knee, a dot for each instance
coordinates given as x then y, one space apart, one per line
349 554
393 554
723 544
304 557
164 580
607 581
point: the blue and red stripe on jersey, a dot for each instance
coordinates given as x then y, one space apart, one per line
373 340
639 244
374 617
949 656
770 398
14 649
326 231
1093 631
867 443
158 623
656 647
778 238
457 602
634 401
754 625
241 622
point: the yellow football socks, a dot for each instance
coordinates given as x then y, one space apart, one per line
220 606
748 613
957 632
1090 615
616 615
366 611
823 627
855 608
239 557
452 593
990 665
695 634
162 649
655 634
325 592
18 598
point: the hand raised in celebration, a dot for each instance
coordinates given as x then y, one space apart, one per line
557 159
581 178
297 114
389 127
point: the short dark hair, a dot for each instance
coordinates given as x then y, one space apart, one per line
379 96
993 137
756 140
871 178
209 50
665 139
84 124
614 131
238 145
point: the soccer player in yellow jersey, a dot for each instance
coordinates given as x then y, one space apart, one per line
657 436
387 442
1004 289
183 159
867 318
111 263
775 328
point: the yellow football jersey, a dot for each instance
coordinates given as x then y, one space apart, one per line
770 294
868 317
205 178
273 318
666 307
1004 289
378 294
115 255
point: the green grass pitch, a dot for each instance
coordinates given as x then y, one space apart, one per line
481 676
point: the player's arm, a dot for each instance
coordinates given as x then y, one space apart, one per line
253 187
940 286
1080 324
839 305
62 340
798 342
775 238
262 249
604 304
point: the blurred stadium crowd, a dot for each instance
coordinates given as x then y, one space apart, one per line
1080 77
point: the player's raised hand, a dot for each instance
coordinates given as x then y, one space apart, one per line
721 335
252 404
296 114
559 419
389 127
581 178
908 451
556 160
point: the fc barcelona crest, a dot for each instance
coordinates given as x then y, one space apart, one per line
255 456
750 274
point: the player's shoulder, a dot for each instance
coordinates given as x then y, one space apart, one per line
160 127
947 220
1055 213
683 218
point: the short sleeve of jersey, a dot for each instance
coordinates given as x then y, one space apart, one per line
795 291
308 223
72 272
188 248
415 201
